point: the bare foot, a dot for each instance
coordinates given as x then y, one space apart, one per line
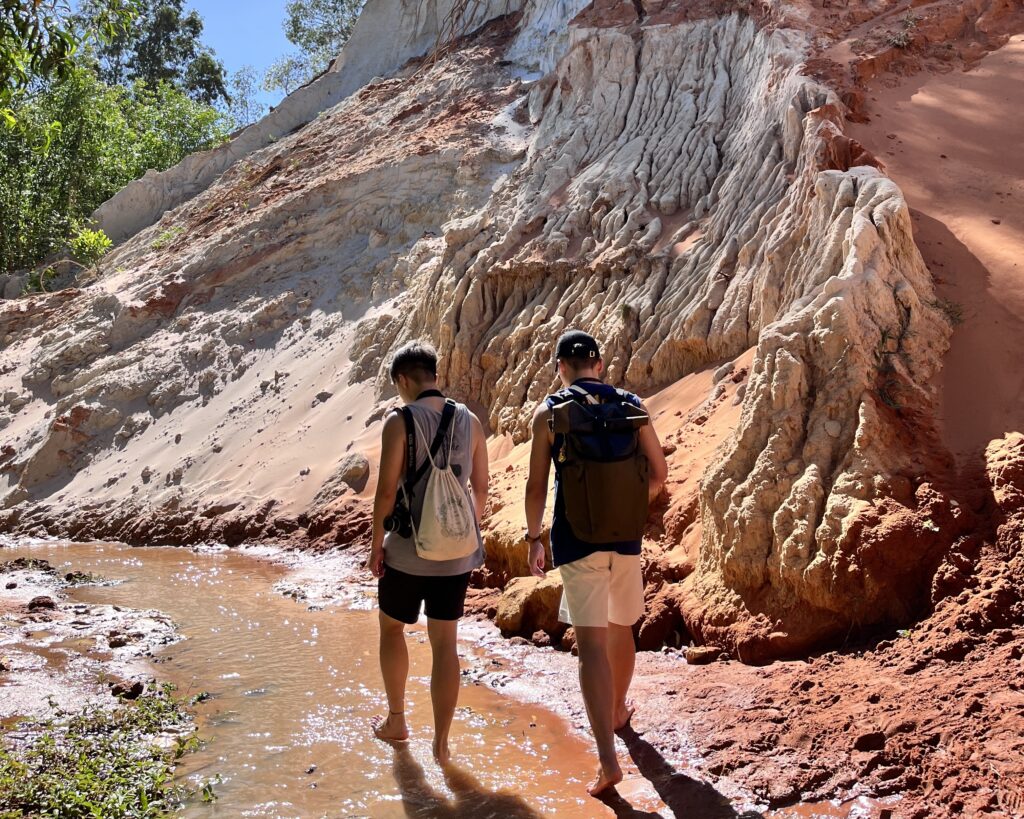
623 715
441 753
608 776
391 728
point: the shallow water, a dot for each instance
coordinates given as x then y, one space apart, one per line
287 729
294 688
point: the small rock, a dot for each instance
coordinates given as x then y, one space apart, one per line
541 639
311 768
568 642
723 371
117 640
11 585
5 664
127 689
701 655
833 428
40 603
322 396
177 438
304 471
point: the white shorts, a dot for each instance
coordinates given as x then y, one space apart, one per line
602 588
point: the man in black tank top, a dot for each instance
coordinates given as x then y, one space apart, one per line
438 587
601 580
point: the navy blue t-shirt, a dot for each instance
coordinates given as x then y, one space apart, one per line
565 546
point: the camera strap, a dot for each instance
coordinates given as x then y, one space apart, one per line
412 474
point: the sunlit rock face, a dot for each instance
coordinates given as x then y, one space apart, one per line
673 184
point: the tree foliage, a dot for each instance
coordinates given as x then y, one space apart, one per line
164 45
97 103
39 40
319 28
245 108
108 136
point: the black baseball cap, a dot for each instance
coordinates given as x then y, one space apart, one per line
577 344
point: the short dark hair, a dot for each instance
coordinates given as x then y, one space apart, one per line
416 360
578 349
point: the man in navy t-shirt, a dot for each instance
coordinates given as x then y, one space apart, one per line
603 594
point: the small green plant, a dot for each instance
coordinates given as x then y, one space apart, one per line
166 237
38 281
627 311
953 311
98 763
89 246
905 36
904 632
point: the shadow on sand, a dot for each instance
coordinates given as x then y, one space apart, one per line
684 796
469 800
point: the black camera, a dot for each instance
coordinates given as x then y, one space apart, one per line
400 520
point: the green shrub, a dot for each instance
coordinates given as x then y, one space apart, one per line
89 246
79 141
97 763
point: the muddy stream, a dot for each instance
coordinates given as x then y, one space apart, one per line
287 728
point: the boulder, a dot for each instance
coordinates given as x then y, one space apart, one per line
529 604
352 472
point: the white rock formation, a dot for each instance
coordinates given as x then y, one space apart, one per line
412 28
679 189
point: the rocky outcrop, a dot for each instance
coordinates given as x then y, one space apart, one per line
413 28
665 175
530 604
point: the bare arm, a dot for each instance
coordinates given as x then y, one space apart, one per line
392 464
537 485
480 476
651 447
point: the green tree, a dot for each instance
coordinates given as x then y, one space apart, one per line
38 40
108 136
245 108
319 28
163 46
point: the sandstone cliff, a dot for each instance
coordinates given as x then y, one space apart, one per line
674 177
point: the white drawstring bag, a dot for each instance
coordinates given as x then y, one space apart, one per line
447 529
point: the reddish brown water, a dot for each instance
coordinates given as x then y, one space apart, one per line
294 688
287 730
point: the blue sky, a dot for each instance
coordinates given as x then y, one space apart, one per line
245 33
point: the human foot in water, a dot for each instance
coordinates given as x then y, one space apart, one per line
608 776
391 728
441 752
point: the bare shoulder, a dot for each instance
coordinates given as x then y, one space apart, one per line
394 425
475 423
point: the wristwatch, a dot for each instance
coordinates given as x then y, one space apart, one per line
529 539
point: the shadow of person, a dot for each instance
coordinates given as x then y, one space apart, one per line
469 800
684 795
623 810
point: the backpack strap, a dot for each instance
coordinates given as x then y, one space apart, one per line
412 474
580 393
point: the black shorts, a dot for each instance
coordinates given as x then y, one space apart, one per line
400 595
